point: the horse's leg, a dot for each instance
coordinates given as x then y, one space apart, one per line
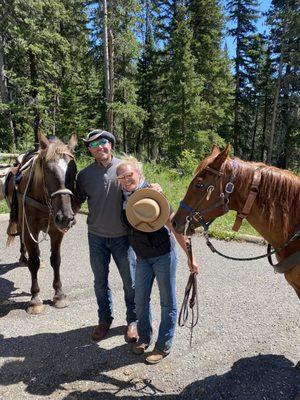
293 278
42 262
35 306
23 261
59 299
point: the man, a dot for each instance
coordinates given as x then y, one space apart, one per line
107 236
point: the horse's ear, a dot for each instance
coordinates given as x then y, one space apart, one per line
44 142
215 150
221 157
73 142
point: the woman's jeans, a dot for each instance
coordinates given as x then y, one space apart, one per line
101 250
163 268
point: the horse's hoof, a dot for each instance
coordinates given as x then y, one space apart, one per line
43 264
23 263
60 303
35 309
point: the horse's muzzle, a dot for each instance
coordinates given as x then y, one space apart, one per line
64 221
179 228
182 228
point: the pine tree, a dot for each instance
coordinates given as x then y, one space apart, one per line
212 64
243 13
40 52
283 18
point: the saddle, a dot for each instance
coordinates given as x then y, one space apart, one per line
23 162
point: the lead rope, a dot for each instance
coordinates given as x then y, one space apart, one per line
190 299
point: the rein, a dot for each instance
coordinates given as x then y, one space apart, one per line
190 298
268 254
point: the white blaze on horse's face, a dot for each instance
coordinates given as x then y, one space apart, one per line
63 164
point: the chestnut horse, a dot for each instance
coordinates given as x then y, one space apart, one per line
44 205
268 197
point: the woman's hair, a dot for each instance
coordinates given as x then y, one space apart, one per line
130 160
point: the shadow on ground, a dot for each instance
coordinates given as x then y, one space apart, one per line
7 289
52 359
263 377
47 361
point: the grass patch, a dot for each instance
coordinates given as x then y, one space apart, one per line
221 227
3 207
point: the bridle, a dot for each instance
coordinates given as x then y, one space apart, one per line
50 196
47 207
197 217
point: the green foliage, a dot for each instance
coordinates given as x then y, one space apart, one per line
187 162
3 207
174 92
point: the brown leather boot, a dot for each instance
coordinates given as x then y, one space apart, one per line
131 334
100 331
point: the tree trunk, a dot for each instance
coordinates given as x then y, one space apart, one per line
124 136
108 50
237 93
111 93
255 128
105 51
283 150
275 105
34 96
264 129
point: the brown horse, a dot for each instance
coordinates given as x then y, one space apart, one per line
44 205
266 196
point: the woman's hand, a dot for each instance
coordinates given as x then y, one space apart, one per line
193 266
156 186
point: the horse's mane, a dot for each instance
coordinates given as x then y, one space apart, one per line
53 153
279 192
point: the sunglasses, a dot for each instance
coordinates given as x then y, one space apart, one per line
127 175
97 143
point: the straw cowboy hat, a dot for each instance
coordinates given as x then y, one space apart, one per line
147 210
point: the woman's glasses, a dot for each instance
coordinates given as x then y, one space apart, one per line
96 143
127 175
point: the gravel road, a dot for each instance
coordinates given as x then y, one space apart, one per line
245 346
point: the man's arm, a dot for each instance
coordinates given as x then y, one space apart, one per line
79 196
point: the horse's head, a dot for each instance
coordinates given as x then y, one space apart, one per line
58 178
207 195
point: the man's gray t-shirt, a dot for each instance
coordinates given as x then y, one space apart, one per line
98 184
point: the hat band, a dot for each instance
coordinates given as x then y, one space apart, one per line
144 222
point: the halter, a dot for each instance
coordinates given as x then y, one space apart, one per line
197 216
47 197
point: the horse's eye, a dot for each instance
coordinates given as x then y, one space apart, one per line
199 185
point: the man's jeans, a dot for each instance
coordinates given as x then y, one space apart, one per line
101 250
163 268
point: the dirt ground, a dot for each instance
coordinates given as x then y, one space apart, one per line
245 346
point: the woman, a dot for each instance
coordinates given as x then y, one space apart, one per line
154 245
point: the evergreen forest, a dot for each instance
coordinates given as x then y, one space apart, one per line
155 73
